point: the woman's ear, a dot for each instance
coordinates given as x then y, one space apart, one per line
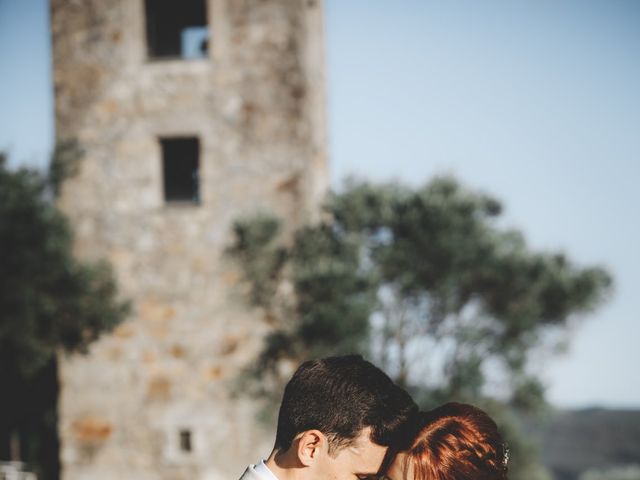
310 444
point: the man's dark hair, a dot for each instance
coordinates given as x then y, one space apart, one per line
340 396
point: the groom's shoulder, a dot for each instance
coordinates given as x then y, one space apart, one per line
251 474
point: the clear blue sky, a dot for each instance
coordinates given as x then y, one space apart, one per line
536 102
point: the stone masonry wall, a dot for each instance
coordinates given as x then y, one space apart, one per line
257 105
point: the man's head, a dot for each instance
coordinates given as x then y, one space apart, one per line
338 416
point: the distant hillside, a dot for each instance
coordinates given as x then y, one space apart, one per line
575 441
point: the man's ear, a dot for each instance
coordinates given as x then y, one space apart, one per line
310 445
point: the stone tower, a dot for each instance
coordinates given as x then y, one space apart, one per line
189 113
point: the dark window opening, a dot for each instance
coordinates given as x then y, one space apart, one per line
177 29
180 168
186 444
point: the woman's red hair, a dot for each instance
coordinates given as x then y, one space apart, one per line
457 442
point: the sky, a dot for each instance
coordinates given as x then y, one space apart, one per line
535 102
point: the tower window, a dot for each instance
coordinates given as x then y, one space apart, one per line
176 29
186 444
180 167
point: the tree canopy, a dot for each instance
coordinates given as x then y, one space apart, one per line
425 281
49 301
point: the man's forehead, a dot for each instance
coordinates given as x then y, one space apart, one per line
370 454
364 440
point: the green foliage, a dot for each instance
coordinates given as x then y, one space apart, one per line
458 292
49 301
261 257
426 282
65 163
631 472
447 291
333 299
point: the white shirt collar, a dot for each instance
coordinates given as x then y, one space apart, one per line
262 469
